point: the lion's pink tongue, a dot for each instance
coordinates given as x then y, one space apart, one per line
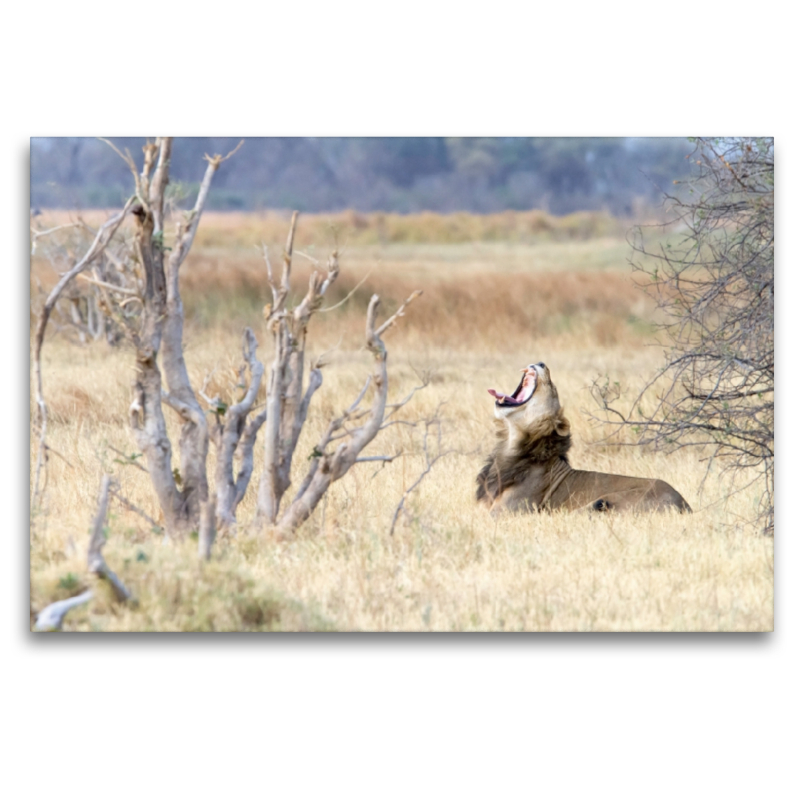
499 395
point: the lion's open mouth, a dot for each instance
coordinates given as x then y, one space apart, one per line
523 393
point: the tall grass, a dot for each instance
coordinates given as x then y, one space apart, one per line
449 565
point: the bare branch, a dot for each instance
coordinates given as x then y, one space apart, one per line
51 449
219 159
348 296
387 459
111 286
270 279
399 313
397 422
36 235
104 235
126 157
97 564
430 461
159 183
186 234
715 290
326 466
187 412
244 451
127 459
287 253
397 406
131 507
233 436
355 404
314 261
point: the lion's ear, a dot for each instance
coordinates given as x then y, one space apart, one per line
562 426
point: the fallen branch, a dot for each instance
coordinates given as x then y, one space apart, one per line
51 617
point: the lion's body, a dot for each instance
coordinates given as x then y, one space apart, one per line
529 470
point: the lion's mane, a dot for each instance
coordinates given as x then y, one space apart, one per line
549 439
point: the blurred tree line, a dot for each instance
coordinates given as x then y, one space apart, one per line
482 175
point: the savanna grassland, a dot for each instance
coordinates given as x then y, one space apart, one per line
500 292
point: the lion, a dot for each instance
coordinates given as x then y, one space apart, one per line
529 471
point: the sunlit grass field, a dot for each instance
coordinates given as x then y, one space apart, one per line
565 296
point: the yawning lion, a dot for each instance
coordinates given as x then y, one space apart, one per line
528 469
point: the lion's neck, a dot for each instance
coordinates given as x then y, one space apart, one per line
522 458
515 438
532 447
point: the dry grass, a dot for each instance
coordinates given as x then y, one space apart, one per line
449 566
245 229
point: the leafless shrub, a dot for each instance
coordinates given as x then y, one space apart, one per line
156 331
715 288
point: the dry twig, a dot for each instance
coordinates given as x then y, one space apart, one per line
431 458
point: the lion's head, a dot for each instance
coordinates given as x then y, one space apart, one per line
533 410
532 435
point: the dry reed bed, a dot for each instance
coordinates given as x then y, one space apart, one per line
241 229
466 309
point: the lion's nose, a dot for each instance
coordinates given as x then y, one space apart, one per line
542 365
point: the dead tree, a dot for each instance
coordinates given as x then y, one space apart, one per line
183 492
185 497
288 401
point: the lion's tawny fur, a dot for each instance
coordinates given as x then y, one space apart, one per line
528 468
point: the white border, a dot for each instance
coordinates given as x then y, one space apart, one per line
637 716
